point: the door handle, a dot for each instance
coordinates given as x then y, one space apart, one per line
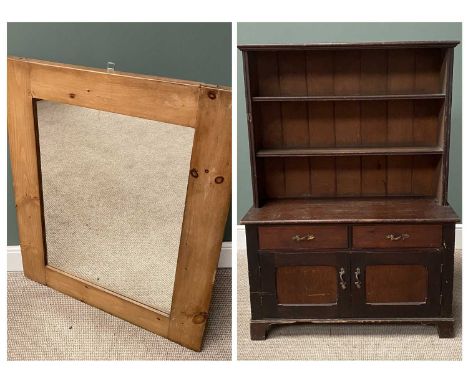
357 272
342 282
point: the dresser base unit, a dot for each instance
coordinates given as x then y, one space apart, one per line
353 270
445 326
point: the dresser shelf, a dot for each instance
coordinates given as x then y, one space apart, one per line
356 97
350 210
348 151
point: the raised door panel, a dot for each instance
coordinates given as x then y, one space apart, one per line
396 284
389 284
304 285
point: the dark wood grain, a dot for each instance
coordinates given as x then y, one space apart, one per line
347 124
347 66
426 123
251 234
400 123
282 237
252 71
374 72
343 73
270 125
354 97
267 74
323 177
371 124
350 151
361 210
446 120
320 78
374 175
348 176
446 329
447 270
428 64
292 73
373 120
274 179
396 284
425 177
376 236
388 292
295 126
270 262
399 175
296 177
259 330
345 45
307 285
401 71
321 120
445 326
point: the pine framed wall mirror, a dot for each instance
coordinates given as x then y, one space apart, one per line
122 188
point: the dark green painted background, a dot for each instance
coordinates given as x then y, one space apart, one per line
271 33
192 51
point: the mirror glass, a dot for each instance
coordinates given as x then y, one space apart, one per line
114 192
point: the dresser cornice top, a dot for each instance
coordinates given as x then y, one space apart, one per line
351 45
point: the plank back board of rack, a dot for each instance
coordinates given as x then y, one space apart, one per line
349 120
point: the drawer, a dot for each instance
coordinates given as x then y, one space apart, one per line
293 237
397 236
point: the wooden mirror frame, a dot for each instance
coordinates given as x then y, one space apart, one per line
205 108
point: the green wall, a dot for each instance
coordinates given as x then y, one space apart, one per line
192 51
270 33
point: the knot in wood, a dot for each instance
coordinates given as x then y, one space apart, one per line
219 179
211 95
194 172
200 318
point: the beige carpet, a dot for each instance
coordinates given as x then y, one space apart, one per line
346 342
114 196
46 325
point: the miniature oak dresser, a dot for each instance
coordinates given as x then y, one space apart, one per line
349 149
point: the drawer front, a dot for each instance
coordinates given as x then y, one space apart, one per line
397 236
299 237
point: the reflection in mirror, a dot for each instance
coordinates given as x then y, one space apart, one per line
114 194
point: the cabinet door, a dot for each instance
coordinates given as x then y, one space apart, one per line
304 285
405 284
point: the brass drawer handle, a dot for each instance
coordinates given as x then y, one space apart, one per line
302 238
356 276
396 237
342 282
